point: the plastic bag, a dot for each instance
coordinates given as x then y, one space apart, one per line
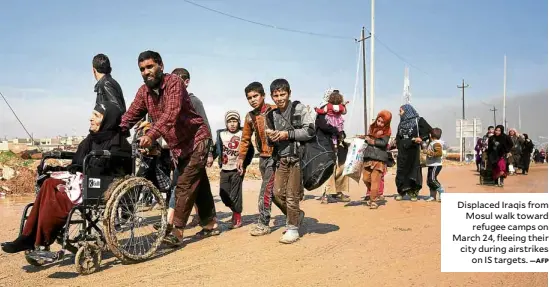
353 163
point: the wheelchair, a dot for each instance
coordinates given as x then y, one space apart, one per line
485 174
115 215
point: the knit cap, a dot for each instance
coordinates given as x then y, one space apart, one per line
232 115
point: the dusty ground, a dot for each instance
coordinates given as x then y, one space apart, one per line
346 245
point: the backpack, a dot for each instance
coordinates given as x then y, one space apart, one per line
317 157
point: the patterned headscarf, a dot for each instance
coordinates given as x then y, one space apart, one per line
409 113
407 119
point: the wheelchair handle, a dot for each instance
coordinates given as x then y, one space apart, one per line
100 153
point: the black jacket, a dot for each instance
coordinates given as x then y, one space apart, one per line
377 151
108 90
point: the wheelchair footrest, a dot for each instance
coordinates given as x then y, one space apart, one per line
46 256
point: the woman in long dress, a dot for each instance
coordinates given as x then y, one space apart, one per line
411 132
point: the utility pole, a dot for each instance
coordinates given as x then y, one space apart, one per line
504 89
362 39
372 48
520 122
494 110
463 87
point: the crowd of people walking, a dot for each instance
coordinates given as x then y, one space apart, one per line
502 154
168 116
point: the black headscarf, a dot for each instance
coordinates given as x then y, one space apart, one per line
504 141
107 135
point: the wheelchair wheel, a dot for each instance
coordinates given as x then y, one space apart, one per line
75 233
87 259
129 221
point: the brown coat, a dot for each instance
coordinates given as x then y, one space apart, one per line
254 123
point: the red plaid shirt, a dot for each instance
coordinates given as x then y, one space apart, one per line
173 115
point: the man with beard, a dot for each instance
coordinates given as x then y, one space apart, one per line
107 88
165 99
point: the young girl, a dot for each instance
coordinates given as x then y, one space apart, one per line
375 154
334 109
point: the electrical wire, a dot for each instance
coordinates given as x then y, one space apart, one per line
306 32
269 25
355 93
19 120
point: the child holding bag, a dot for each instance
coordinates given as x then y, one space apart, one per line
375 155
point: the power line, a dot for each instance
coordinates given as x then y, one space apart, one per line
29 134
376 38
269 25
306 32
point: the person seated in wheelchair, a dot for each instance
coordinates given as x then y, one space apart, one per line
63 190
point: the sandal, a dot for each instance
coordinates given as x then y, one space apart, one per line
172 241
324 199
373 205
342 197
204 233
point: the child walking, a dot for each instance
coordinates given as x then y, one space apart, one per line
334 108
286 127
434 164
254 124
230 182
375 155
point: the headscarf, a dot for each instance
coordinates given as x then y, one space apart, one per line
514 132
379 132
408 118
503 139
107 135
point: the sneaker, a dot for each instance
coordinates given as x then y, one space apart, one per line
430 199
260 229
398 197
291 236
413 198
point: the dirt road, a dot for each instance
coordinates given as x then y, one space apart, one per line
346 245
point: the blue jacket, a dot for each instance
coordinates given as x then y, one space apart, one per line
219 150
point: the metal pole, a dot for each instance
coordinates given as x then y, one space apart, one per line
474 132
494 110
504 89
363 39
372 61
462 87
520 122
461 139
463 98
